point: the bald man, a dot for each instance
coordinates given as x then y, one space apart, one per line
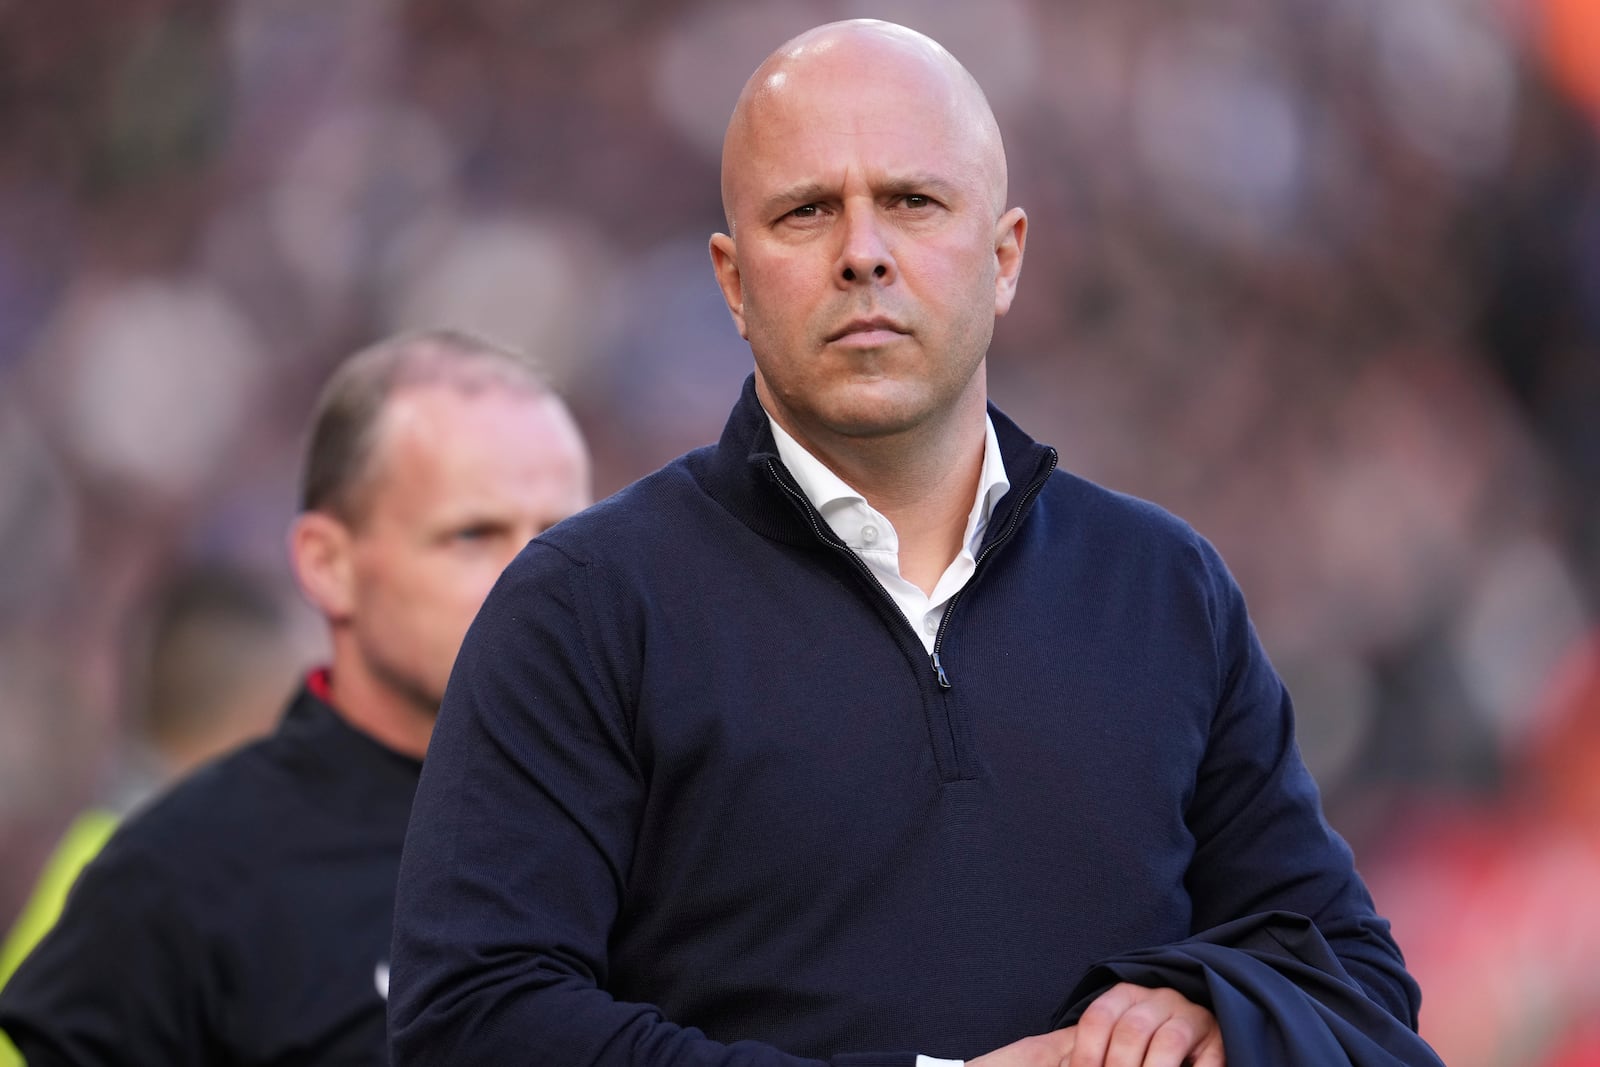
861 736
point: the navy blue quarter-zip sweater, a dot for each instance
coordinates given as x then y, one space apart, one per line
698 795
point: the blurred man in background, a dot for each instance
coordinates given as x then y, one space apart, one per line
210 663
245 916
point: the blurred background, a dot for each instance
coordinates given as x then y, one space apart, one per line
1320 276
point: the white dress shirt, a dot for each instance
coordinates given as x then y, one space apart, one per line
872 537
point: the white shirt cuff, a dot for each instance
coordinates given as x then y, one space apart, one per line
929 1061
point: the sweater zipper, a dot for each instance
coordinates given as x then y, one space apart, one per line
952 773
810 513
834 543
983 554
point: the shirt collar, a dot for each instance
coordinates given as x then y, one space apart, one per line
830 494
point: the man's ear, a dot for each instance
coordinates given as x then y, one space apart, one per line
1011 234
725 262
320 551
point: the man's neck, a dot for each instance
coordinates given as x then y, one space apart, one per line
925 486
377 710
931 525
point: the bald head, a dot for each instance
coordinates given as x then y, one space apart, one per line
869 247
806 79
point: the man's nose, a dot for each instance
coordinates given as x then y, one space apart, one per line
864 249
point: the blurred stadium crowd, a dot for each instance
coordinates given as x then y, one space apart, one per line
1321 276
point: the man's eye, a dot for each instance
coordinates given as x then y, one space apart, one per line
917 200
805 211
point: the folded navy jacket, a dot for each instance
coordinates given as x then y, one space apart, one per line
1279 993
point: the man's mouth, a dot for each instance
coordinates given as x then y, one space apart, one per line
872 330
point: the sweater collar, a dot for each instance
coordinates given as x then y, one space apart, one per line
746 475
843 508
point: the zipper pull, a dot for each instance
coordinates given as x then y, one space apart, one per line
938 668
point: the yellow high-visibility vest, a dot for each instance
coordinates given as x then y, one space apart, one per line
81 843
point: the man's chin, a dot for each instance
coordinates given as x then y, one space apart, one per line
875 409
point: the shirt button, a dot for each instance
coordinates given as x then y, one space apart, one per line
869 534
930 623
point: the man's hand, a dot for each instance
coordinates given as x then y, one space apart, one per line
1126 1026
1132 1026
1044 1050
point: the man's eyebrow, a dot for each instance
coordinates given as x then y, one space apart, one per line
812 191
928 184
792 197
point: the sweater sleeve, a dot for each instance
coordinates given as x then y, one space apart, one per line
520 846
1278 995
1262 842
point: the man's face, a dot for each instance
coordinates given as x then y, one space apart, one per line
461 481
869 256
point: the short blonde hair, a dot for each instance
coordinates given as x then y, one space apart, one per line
338 455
